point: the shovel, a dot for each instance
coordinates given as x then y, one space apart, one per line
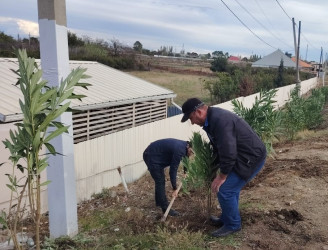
171 203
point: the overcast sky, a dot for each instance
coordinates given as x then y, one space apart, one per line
193 25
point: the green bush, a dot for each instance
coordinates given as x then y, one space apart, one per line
223 89
261 117
300 113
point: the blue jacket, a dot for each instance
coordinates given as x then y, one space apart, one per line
238 147
166 152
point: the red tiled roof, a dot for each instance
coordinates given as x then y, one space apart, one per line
234 58
301 63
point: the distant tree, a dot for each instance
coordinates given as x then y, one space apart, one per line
116 47
279 81
222 89
220 64
6 44
254 58
192 54
73 40
288 54
137 46
220 54
206 56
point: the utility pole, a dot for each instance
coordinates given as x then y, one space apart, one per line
297 50
295 46
62 201
321 74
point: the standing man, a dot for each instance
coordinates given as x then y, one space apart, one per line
159 155
240 156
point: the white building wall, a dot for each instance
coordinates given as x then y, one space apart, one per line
97 160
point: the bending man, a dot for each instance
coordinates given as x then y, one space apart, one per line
159 155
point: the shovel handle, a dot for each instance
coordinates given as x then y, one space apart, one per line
171 203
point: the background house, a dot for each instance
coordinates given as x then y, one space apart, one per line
273 61
303 65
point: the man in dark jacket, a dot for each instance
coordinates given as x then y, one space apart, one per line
240 156
159 155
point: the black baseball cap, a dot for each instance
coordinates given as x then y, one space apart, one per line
190 106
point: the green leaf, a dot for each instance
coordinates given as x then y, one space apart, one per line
20 167
11 187
50 148
42 167
56 133
45 183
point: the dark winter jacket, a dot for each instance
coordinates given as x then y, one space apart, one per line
238 147
166 152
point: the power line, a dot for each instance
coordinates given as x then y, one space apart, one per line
296 24
247 26
262 25
283 10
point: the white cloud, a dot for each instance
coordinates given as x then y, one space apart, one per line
21 26
28 27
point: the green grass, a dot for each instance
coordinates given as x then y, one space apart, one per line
185 86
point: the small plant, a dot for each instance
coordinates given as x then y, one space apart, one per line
40 107
201 169
300 113
293 117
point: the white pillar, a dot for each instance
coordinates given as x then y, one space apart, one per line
61 172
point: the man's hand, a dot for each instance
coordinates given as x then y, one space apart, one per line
217 182
175 193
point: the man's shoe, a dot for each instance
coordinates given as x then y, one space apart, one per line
223 231
174 213
216 221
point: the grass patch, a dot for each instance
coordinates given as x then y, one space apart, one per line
185 86
247 205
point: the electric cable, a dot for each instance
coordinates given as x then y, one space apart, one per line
262 25
247 26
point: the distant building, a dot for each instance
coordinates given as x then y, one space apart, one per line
273 61
234 59
303 65
115 101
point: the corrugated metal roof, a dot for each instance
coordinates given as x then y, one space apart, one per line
273 60
110 87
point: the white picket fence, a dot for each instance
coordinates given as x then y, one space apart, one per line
97 160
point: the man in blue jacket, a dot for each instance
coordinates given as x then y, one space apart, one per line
159 155
240 156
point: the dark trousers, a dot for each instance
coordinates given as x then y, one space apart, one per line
157 172
160 195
